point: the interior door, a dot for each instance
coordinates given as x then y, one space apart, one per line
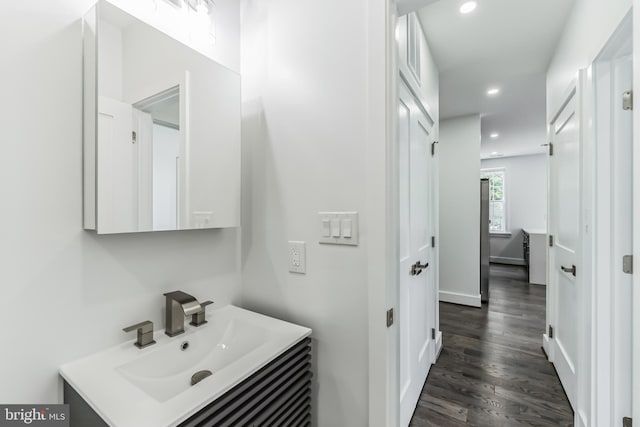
417 287
564 293
612 77
117 168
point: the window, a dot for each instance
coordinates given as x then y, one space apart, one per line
497 200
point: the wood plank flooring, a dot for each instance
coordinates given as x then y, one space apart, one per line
492 371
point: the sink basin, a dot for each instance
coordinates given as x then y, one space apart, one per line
152 387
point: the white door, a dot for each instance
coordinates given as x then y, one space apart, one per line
417 288
564 292
612 77
117 168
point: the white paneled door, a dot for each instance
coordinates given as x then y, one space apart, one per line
564 292
417 288
117 168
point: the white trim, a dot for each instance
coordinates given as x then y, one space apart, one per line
611 332
582 422
507 260
545 346
438 344
463 299
383 402
636 215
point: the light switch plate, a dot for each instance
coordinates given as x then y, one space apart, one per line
346 224
297 257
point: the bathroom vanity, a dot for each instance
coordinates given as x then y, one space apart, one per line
260 375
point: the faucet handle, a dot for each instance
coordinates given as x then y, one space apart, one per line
145 333
198 319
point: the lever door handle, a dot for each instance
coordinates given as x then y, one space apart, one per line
571 269
417 268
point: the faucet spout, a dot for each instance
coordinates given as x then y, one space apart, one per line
179 304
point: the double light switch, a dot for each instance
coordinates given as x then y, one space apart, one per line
339 228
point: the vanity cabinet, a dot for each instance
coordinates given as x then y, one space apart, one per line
277 394
161 130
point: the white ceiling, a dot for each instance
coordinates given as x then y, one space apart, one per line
503 43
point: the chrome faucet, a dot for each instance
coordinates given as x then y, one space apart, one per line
179 305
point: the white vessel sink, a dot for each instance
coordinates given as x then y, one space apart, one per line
152 387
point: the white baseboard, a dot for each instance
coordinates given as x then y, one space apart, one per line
507 260
464 299
438 344
546 347
581 419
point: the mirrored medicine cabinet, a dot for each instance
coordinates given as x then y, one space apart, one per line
161 130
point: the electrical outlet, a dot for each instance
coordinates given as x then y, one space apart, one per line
297 257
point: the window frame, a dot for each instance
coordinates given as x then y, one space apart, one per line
503 170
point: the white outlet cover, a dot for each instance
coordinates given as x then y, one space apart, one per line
297 257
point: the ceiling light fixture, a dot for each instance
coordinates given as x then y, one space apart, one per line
493 91
468 7
494 135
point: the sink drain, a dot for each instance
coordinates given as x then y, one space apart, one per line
199 376
184 345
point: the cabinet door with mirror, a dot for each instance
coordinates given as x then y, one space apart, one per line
161 130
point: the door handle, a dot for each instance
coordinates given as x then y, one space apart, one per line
571 270
417 268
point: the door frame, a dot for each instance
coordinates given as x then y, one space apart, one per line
383 266
406 90
610 334
636 215
582 368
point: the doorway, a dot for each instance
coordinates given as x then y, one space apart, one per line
417 287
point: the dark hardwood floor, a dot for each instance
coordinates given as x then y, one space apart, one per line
492 371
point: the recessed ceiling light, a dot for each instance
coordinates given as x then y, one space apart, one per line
494 135
493 91
468 7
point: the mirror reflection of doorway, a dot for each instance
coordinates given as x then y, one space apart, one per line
158 119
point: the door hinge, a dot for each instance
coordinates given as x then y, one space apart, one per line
627 264
433 241
389 317
551 148
433 148
550 240
134 137
626 422
550 332
627 100
433 333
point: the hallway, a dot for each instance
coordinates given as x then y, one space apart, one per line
492 371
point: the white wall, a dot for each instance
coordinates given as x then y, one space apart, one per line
589 27
67 292
460 210
305 144
526 194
